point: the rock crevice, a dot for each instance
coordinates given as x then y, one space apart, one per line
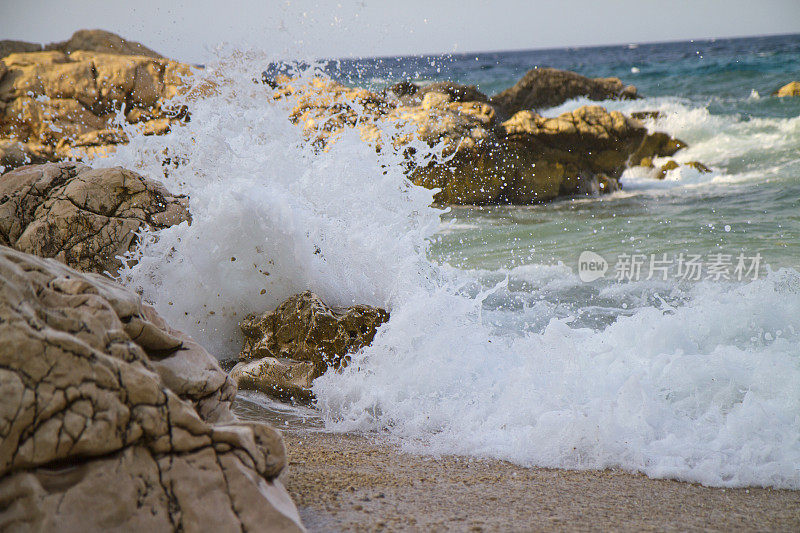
97 434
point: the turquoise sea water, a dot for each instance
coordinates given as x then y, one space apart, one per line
715 95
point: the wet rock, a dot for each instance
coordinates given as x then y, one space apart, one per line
646 115
304 328
536 159
287 348
666 167
14 154
282 378
484 160
698 166
790 89
657 144
412 94
112 421
404 88
81 216
547 87
54 99
672 165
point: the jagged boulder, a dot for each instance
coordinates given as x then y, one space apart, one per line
287 348
81 216
790 89
530 159
110 420
548 87
51 101
484 160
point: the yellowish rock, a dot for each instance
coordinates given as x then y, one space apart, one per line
304 328
697 165
790 89
665 168
56 99
434 100
282 378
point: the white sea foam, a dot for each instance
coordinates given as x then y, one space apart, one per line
697 383
736 149
695 392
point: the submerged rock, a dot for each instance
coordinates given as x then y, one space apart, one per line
110 420
287 348
548 87
790 89
81 216
662 171
646 115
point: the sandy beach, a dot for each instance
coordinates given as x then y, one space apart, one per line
345 482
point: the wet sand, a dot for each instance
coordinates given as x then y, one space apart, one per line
351 483
356 483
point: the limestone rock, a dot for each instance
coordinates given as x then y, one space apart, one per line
435 100
104 42
485 159
112 421
536 159
548 87
456 91
790 89
14 154
698 166
300 340
666 167
412 94
55 99
81 216
282 378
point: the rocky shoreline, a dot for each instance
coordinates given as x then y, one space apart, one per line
103 397
62 102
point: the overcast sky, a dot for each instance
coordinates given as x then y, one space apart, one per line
186 30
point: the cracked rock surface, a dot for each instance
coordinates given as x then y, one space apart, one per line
81 216
112 421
